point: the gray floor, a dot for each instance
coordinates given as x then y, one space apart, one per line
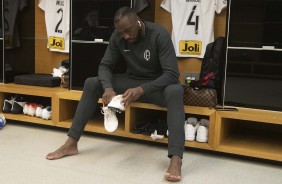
105 160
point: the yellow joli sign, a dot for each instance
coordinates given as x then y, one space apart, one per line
190 47
56 43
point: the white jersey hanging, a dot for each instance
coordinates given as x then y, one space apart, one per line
193 24
57 23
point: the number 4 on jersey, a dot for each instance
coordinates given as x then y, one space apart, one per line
196 23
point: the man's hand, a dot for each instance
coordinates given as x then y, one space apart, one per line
109 93
132 95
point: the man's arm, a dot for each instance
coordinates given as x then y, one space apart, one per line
106 67
108 62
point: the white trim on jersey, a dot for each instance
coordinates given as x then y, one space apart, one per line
57 20
193 24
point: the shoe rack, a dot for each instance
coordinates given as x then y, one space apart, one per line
32 91
67 102
64 103
248 132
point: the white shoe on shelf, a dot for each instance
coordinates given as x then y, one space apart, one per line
190 127
116 104
18 105
110 119
26 108
38 111
203 131
31 109
47 113
8 104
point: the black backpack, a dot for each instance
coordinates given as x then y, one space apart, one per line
212 69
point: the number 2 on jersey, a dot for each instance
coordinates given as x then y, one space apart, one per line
196 23
57 30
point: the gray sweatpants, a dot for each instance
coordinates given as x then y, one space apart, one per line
171 98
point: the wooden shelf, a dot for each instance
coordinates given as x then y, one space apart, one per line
94 125
133 117
254 133
188 109
254 146
249 132
272 117
26 118
30 90
199 145
98 127
71 95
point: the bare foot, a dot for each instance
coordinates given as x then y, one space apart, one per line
173 172
69 148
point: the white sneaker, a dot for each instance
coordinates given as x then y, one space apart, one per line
18 105
203 131
32 109
38 111
8 104
26 108
110 119
190 127
47 113
116 104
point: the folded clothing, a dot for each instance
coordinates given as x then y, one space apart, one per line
38 79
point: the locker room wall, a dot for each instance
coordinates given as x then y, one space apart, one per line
45 60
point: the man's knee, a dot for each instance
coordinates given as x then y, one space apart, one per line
174 91
92 84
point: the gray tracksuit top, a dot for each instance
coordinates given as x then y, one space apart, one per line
150 58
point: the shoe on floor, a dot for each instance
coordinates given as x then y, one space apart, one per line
47 113
116 104
18 105
203 130
2 121
110 119
190 127
8 104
